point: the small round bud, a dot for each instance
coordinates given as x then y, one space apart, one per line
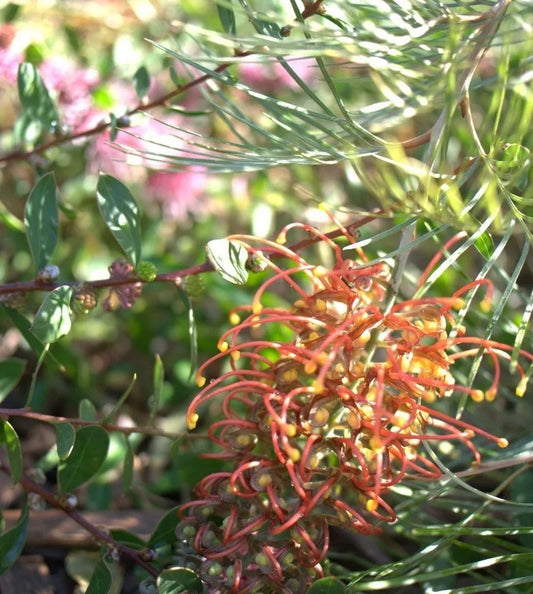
194 285
256 262
69 501
124 121
285 31
47 274
16 300
148 555
36 502
84 300
146 271
113 555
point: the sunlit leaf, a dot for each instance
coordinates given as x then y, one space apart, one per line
9 437
41 219
65 437
121 214
178 579
53 319
229 260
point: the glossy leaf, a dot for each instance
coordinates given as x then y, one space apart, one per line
121 214
42 219
39 110
485 245
227 17
178 579
11 371
141 82
53 319
65 437
12 541
165 531
327 585
229 260
9 437
85 459
101 579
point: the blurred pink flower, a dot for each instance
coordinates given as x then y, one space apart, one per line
180 193
9 61
270 76
72 86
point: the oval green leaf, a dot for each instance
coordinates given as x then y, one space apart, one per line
11 371
165 531
101 580
229 260
42 219
65 437
327 585
121 214
85 459
12 541
87 410
178 579
226 16
141 82
14 452
53 319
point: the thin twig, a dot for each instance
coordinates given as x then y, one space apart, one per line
61 503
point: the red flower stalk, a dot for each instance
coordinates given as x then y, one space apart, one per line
319 427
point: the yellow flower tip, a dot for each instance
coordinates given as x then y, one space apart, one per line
502 442
282 238
294 455
235 355
319 271
257 308
310 367
485 305
299 304
320 305
461 330
317 387
234 318
289 430
458 303
468 433
521 388
324 206
478 395
371 505
200 381
490 394
191 421
223 346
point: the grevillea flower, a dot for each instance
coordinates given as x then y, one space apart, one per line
320 426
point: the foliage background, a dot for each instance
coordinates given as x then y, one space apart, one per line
277 138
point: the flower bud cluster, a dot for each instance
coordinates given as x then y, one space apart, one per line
320 426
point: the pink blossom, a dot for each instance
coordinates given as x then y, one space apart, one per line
180 192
